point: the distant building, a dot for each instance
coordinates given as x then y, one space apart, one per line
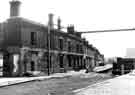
25 45
123 65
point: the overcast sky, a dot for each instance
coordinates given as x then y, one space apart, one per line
86 15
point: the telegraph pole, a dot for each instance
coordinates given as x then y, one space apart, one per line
50 27
48 40
48 49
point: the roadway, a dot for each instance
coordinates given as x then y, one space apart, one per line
122 85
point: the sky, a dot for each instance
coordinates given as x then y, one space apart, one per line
86 15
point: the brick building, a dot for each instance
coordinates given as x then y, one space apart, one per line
25 45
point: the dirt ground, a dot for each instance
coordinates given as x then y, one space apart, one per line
57 86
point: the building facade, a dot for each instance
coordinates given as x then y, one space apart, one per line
123 65
28 46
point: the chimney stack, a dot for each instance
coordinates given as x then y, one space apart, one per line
70 29
59 23
14 8
50 22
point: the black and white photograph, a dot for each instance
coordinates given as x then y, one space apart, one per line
67 47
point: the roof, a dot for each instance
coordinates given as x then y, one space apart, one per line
37 24
26 20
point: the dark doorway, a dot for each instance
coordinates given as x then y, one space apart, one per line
74 62
69 61
7 71
32 66
61 61
25 66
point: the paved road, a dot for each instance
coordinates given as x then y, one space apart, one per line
59 86
123 85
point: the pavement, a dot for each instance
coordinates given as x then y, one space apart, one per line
17 80
122 85
103 68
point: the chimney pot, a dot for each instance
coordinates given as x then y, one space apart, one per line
50 22
59 23
70 29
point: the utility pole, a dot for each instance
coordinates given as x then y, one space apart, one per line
48 49
50 27
48 40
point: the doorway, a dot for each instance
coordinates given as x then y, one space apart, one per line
32 65
61 61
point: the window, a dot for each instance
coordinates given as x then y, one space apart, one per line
77 48
81 48
33 38
69 46
61 44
